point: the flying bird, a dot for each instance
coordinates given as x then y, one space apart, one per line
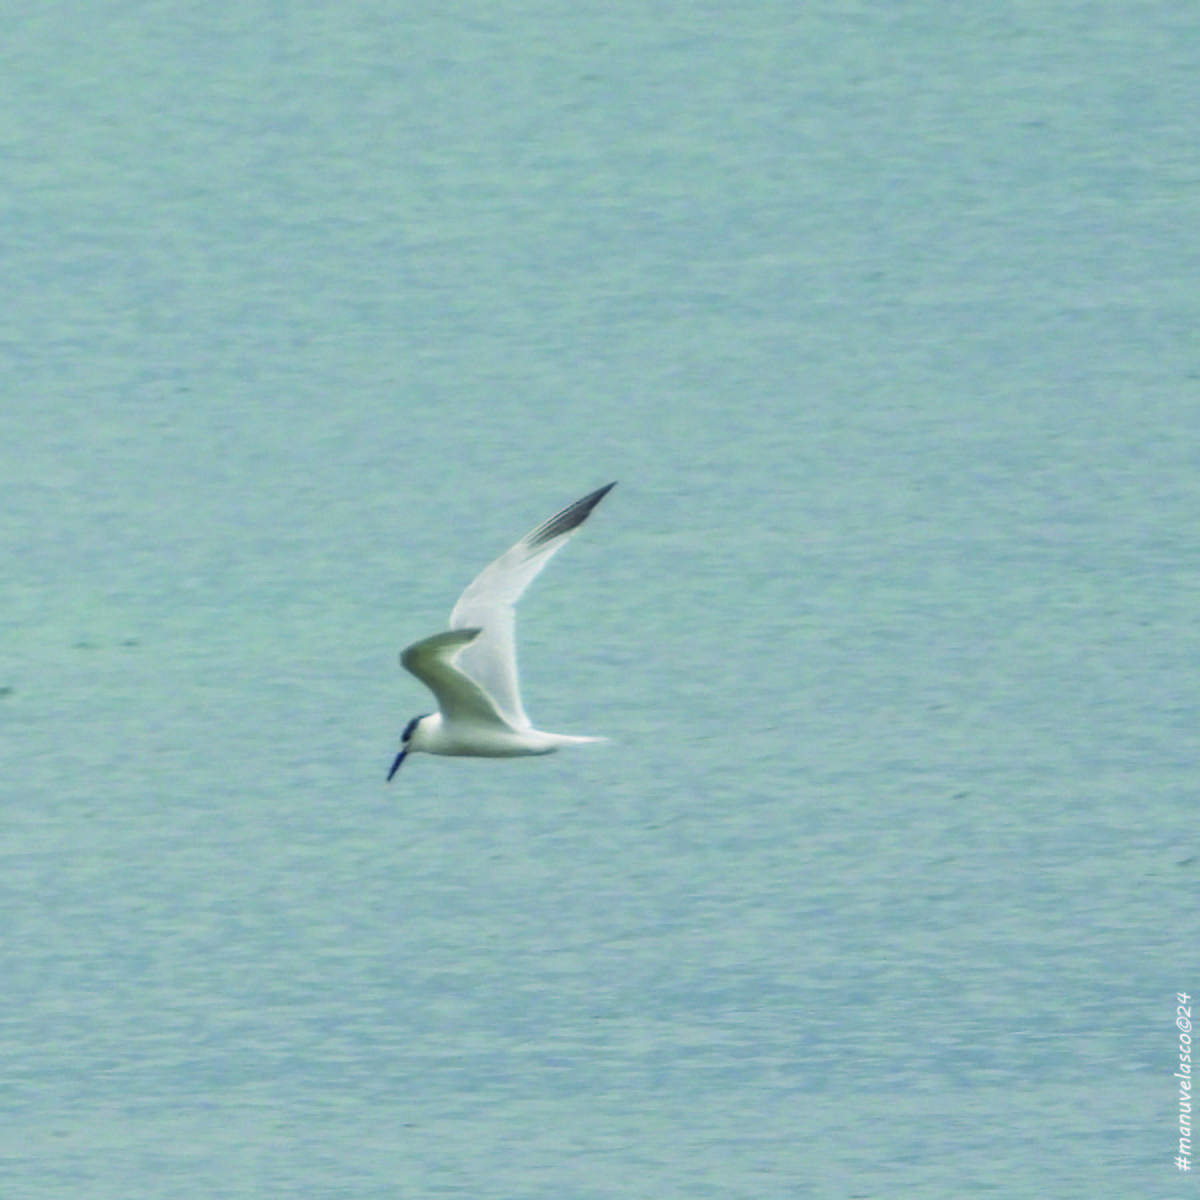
472 668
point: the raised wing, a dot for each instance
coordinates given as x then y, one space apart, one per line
459 697
489 602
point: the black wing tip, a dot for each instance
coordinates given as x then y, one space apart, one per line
571 517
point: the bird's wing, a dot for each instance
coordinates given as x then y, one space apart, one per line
459 697
489 602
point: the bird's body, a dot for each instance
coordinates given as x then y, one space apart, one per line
435 735
472 667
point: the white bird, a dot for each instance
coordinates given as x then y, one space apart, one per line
472 668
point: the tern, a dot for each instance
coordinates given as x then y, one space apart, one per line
472 668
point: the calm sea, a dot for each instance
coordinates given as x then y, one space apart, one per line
885 318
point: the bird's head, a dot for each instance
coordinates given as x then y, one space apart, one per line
406 743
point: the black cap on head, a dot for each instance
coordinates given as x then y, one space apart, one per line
404 738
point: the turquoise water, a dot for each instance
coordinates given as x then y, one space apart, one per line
885 320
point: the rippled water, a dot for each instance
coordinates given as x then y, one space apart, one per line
885 320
